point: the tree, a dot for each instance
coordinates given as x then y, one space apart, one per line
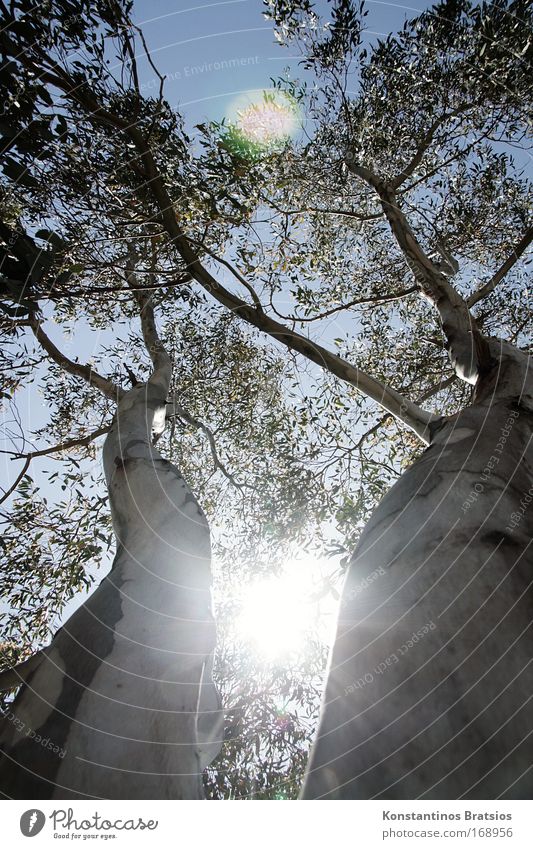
413 193
66 240
430 680
162 555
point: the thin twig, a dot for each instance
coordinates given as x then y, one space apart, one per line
517 252
65 446
236 273
378 299
18 480
444 384
177 410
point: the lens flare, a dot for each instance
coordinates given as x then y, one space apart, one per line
262 122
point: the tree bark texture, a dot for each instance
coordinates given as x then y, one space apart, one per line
430 684
125 689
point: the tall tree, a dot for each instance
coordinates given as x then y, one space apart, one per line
126 682
412 193
82 246
430 677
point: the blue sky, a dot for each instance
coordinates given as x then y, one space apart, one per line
213 51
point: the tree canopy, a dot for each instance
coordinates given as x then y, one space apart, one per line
324 299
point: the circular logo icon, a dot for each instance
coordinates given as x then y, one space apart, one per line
32 822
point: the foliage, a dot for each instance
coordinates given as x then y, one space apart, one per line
280 452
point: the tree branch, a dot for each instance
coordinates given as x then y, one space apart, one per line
162 363
424 145
52 449
161 376
236 273
174 409
385 396
489 287
378 299
444 384
53 294
18 480
64 446
467 348
392 401
344 213
106 386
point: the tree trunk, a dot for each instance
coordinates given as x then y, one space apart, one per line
122 704
430 680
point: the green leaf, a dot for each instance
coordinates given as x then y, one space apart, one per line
18 172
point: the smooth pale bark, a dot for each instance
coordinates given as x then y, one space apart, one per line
467 347
125 689
430 685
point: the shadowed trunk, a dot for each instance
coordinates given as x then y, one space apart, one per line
122 704
430 681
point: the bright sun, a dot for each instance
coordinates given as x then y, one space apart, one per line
280 613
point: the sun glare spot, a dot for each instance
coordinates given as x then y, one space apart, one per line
279 614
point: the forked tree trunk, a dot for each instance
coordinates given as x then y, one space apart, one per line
124 691
430 685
